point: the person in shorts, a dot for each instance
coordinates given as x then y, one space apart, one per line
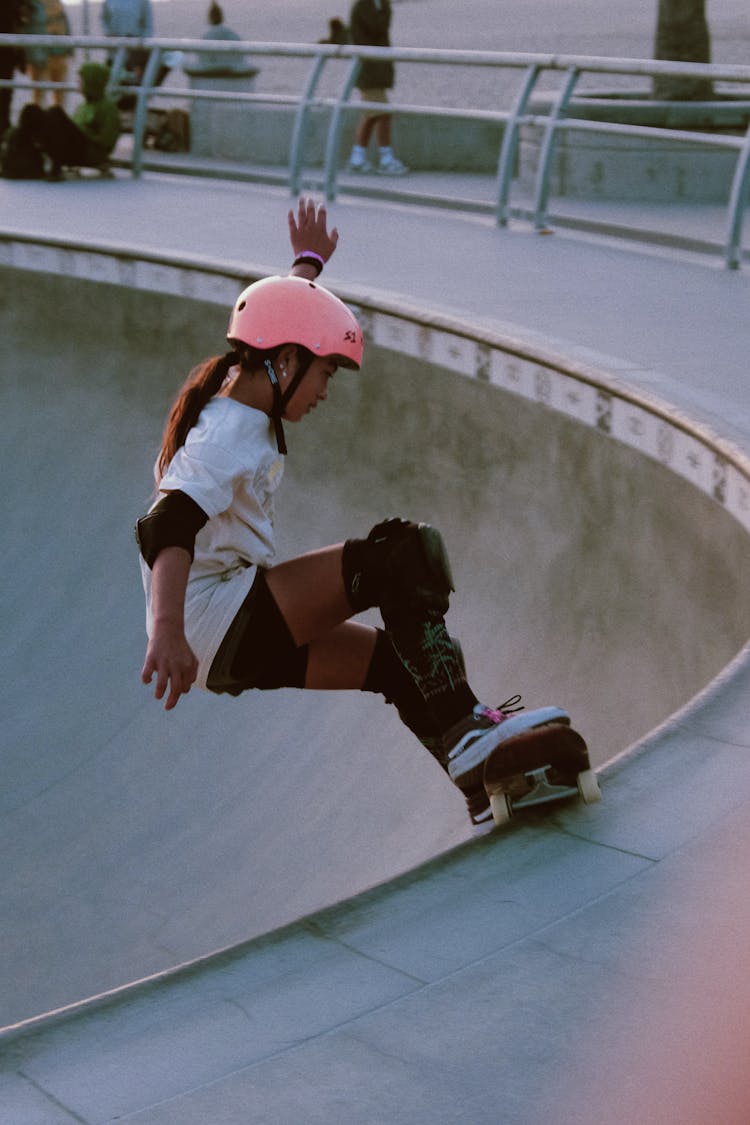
369 25
223 614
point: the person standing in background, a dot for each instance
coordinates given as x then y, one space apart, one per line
132 19
48 64
128 18
369 25
15 16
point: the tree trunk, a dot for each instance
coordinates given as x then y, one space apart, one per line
682 35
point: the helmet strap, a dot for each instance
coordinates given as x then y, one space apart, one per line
278 407
303 362
280 401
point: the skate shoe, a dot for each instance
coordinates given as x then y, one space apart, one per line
475 794
391 166
478 808
471 741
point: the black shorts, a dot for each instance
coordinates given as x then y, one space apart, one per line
258 650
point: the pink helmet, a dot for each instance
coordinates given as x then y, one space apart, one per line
291 310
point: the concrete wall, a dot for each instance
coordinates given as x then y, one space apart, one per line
584 166
587 573
654 169
263 134
597 166
606 568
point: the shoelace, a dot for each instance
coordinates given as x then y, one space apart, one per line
497 714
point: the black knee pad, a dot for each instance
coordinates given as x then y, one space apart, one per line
401 567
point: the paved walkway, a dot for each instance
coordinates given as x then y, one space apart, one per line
589 972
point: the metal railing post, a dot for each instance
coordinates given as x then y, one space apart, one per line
334 130
117 67
737 204
541 192
509 146
141 108
300 120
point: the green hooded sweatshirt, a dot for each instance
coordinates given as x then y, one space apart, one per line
98 116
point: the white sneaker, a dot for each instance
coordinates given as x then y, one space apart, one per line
475 737
391 166
360 167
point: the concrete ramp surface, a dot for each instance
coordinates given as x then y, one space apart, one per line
530 975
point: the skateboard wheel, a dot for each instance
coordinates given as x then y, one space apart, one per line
502 809
588 787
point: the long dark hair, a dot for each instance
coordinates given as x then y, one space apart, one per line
203 382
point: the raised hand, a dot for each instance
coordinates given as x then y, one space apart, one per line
308 229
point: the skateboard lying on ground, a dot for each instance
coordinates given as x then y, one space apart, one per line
545 764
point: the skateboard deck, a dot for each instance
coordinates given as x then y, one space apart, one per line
546 764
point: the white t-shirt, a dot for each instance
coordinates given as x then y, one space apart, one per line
231 468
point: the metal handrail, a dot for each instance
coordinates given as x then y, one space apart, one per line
737 204
530 66
334 132
300 120
509 145
556 115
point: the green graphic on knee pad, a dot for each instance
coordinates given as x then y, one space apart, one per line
428 653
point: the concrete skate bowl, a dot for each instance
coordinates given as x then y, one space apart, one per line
600 550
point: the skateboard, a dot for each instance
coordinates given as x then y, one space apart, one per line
546 764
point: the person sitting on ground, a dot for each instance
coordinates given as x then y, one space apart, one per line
21 158
87 139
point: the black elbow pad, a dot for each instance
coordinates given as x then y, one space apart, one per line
173 522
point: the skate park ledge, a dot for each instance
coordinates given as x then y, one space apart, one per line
578 388
523 365
578 404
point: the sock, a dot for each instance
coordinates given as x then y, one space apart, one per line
435 664
386 153
359 154
432 662
388 677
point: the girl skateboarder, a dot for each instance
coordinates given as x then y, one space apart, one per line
223 615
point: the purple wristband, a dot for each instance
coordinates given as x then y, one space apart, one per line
312 254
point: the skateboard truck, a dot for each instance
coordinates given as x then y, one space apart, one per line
558 768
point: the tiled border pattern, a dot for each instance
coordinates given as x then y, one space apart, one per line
591 399
589 396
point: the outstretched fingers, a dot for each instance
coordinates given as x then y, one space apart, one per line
308 229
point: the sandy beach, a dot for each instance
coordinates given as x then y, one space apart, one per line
587 27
